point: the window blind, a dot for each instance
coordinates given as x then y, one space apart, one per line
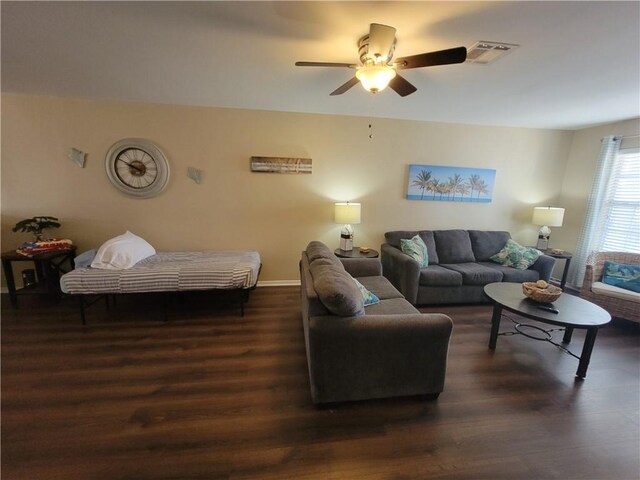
621 226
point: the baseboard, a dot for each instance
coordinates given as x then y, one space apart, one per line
279 283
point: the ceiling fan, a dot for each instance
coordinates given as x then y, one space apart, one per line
376 70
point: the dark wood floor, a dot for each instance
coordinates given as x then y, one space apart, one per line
211 395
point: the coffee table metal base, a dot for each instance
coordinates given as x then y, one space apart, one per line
587 347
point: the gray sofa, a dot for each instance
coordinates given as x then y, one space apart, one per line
459 266
388 349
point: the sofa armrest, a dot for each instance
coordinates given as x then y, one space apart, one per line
362 357
362 267
401 270
544 266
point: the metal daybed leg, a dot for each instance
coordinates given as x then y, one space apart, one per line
82 317
164 306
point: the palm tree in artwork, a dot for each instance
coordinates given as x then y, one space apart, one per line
473 182
455 182
463 189
422 181
482 188
435 187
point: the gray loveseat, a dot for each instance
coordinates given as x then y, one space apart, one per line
388 349
459 266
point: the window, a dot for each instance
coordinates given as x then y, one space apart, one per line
620 231
612 220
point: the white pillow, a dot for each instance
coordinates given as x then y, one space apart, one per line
122 252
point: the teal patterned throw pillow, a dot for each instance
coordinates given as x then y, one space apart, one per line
369 297
622 276
515 255
416 249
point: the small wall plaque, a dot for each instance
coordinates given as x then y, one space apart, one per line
77 156
280 165
195 175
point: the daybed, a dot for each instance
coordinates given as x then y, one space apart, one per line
386 349
169 272
618 302
459 266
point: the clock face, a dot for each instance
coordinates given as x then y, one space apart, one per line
137 167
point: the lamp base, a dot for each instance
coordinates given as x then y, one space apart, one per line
543 243
346 238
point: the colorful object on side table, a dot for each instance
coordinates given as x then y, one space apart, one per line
622 276
515 255
347 213
29 249
416 249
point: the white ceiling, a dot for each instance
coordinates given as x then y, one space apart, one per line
578 64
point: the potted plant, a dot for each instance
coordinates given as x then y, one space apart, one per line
36 226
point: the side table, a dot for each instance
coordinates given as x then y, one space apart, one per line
566 256
48 267
355 253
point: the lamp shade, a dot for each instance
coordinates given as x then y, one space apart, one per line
347 213
549 216
375 77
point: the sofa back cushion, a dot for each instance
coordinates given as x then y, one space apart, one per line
393 238
317 250
336 290
453 246
485 244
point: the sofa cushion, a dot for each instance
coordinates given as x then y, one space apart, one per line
437 276
607 290
453 246
430 242
474 273
487 243
317 250
514 275
392 306
393 238
515 255
380 286
336 290
368 297
416 249
622 275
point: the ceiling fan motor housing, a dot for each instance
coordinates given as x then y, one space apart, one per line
377 57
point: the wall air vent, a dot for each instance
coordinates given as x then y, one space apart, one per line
485 53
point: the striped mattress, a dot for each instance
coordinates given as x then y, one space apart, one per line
170 271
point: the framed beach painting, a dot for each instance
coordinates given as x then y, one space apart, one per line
450 184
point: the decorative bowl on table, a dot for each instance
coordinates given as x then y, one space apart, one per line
541 291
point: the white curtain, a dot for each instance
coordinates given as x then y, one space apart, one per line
596 213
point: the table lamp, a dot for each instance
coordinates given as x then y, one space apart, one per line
547 217
347 213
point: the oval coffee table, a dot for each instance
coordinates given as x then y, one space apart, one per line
573 312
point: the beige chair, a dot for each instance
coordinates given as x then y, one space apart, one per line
618 302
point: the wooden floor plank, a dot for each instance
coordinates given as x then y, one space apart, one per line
210 395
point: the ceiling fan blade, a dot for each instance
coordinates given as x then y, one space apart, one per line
441 57
401 86
345 86
324 64
381 38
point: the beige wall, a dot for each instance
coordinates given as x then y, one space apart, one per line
578 179
274 214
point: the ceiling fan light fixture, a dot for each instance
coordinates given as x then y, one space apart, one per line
375 77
